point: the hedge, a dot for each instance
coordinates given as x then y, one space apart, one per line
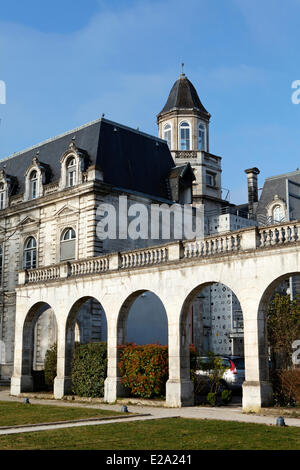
89 369
51 366
144 369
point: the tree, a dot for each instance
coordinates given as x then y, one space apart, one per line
283 322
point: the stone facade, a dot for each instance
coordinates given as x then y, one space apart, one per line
44 220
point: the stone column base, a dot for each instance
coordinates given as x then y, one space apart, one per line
62 387
257 395
21 384
113 389
179 393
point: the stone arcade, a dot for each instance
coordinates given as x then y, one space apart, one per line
61 283
251 262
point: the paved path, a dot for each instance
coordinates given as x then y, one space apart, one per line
228 413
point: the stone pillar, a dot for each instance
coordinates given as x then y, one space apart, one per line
179 388
257 390
22 380
62 382
115 335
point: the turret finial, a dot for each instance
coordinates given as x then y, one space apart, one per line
182 71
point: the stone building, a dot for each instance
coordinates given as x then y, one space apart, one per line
49 197
216 322
216 319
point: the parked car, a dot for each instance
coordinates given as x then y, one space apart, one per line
234 375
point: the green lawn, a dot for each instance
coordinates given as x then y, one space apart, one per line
164 434
13 414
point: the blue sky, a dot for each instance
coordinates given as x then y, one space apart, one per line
67 62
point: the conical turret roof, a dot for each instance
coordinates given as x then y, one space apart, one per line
184 96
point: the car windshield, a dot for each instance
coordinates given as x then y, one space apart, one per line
239 363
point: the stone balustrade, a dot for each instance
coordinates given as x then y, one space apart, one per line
144 257
278 234
253 238
90 266
212 246
44 274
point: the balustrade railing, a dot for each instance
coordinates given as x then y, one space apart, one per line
144 257
212 246
244 240
278 235
90 266
44 274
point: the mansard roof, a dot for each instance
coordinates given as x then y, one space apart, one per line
128 158
275 187
184 96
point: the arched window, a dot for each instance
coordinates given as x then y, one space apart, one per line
201 137
68 245
168 134
277 213
71 172
33 184
30 254
2 196
185 136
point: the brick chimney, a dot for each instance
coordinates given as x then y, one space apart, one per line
252 189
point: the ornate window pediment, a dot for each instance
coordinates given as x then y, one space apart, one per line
73 165
35 179
7 185
276 210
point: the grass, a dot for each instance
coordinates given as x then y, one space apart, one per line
164 434
14 414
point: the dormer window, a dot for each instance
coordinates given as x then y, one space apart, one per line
33 183
168 135
277 214
74 163
71 172
36 176
2 196
185 136
201 137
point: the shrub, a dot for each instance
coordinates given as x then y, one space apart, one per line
51 366
144 369
290 385
89 369
212 398
226 397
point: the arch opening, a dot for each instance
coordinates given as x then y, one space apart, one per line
279 320
142 320
39 334
211 322
86 323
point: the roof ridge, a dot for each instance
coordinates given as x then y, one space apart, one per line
76 129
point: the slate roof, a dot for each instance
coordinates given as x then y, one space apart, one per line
276 185
184 96
128 158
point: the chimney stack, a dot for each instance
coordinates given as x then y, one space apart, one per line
252 188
